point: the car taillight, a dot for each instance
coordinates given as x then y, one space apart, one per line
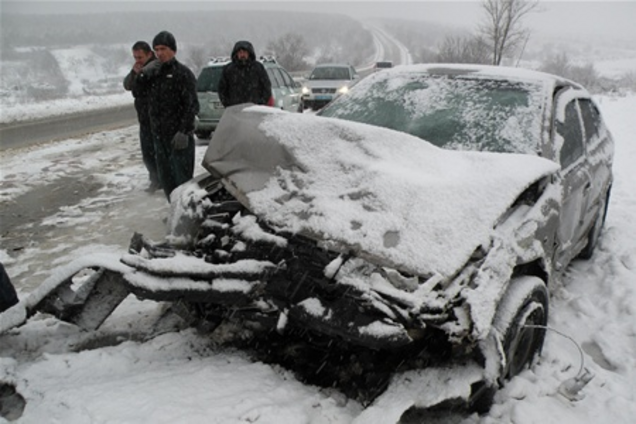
270 102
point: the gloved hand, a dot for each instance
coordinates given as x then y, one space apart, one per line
180 141
152 68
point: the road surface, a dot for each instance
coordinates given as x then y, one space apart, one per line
27 133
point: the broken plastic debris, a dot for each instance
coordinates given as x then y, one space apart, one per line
572 387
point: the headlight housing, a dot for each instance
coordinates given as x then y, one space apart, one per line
343 90
305 90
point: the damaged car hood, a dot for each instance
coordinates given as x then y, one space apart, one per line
381 194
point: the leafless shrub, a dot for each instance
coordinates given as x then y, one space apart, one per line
463 49
557 64
290 50
586 75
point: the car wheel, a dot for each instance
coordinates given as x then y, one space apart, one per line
204 135
520 321
595 232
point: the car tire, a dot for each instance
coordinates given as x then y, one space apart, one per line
520 321
204 135
595 232
12 403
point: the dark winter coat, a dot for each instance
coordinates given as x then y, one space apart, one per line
244 82
173 106
173 100
140 89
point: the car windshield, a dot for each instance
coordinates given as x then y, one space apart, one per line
457 112
209 79
330 73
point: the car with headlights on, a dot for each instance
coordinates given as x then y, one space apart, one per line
326 82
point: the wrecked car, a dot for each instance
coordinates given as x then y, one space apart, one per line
406 236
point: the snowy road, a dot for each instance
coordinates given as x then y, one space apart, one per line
79 194
86 195
27 133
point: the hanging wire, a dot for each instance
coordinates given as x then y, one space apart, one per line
582 356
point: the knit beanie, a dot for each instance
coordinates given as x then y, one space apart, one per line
164 38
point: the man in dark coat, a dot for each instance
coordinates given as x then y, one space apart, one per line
8 296
143 55
244 79
173 106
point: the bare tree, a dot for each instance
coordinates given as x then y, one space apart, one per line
585 74
463 49
503 28
290 51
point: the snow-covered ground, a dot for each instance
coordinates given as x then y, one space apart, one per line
70 377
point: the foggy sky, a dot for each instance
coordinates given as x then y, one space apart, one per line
586 18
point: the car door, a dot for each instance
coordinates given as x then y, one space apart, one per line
598 143
292 99
576 181
276 83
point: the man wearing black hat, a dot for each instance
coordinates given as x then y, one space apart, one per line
173 107
244 79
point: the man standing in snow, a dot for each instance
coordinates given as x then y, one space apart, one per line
173 106
143 55
244 79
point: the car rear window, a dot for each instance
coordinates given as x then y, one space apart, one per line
209 79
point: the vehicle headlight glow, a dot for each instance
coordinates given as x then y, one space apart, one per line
305 90
343 90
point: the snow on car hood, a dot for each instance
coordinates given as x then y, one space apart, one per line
387 195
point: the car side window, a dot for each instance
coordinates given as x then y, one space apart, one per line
287 79
273 79
591 119
279 78
572 133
